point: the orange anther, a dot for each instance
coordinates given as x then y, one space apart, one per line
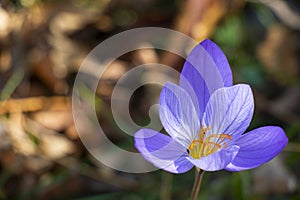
204 146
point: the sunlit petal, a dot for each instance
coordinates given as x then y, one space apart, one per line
229 110
216 161
162 151
258 147
206 69
178 115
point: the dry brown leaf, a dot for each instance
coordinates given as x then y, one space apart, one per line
55 146
144 56
34 104
72 133
42 67
21 141
278 52
5 23
52 145
198 19
54 120
110 77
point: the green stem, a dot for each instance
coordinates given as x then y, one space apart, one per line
197 184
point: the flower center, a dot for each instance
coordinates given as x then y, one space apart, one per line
207 145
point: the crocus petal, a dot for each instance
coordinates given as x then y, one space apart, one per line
257 147
162 151
220 60
229 110
216 161
178 115
206 69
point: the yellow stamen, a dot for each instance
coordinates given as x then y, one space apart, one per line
204 146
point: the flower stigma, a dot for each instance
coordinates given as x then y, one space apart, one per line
204 146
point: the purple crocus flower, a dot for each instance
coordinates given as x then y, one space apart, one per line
206 118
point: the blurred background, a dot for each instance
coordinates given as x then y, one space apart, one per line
42 44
